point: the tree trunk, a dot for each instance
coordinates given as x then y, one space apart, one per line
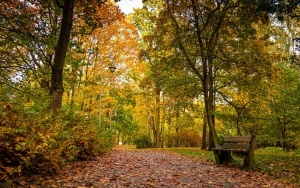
238 124
208 89
149 126
157 135
177 129
57 89
211 143
163 122
204 134
152 125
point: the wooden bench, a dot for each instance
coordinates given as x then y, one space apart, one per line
243 146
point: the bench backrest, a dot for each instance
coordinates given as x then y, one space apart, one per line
237 142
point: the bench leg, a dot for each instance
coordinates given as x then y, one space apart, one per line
223 157
217 157
249 161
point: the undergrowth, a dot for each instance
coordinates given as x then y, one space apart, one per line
35 142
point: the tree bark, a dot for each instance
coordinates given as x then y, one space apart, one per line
157 122
207 85
204 133
57 89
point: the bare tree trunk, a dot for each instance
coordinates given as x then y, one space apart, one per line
163 122
149 126
57 89
204 133
207 84
238 124
177 129
157 122
152 125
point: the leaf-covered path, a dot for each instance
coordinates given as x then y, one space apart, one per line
148 168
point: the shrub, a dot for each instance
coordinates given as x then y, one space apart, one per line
37 143
143 142
188 138
172 140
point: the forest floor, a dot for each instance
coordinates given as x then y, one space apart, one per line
151 168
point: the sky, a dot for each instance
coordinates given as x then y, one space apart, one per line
127 6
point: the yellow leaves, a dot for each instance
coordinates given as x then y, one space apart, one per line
129 108
11 170
18 169
20 146
4 129
114 43
42 147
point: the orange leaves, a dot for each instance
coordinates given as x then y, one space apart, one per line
116 42
96 13
132 168
109 13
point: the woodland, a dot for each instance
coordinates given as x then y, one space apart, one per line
78 78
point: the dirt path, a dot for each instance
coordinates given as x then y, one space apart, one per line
143 168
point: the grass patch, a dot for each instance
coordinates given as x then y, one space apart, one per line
193 152
279 164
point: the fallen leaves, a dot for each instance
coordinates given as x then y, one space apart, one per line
145 168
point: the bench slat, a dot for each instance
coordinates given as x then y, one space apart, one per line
233 150
238 139
236 146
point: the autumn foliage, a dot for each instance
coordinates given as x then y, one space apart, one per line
33 142
188 138
187 72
